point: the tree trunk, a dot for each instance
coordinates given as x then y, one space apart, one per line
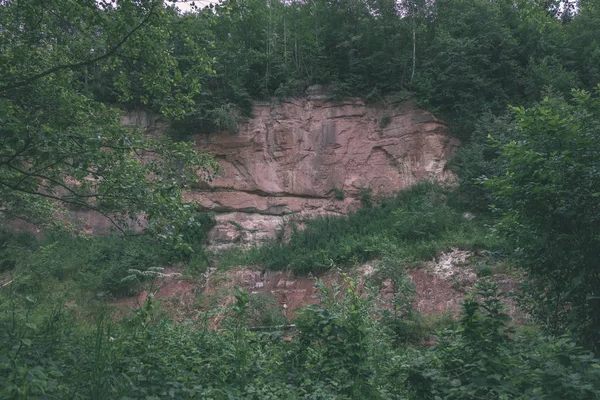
414 58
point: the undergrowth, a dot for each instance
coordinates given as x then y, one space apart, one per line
341 350
414 225
91 268
356 342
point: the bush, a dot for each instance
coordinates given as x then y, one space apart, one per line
13 245
385 120
97 265
225 117
398 314
366 197
265 311
338 194
481 359
333 339
413 225
479 158
549 200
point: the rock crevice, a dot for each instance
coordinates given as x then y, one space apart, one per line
304 158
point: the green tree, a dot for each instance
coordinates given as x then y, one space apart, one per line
549 198
484 359
582 45
59 146
470 60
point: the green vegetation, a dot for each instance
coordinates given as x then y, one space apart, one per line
536 169
414 225
366 197
482 359
549 202
515 79
338 352
86 270
62 146
385 120
96 266
458 58
338 194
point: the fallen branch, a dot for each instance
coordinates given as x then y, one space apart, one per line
273 328
5 284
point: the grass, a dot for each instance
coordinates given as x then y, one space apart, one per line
97 265
49 349
82 272
414 225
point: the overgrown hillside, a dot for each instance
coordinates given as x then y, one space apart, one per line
355 342
414 225
516 80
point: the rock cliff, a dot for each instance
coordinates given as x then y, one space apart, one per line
301 158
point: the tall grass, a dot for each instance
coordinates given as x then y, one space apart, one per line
95 266
414 225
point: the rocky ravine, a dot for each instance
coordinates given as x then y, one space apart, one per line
295 158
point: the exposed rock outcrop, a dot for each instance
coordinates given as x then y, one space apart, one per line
303 157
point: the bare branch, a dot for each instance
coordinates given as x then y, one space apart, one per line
66 201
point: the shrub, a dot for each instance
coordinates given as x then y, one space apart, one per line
265 311
398 314
13 245
413 225
225 117
338 194
333 339
479 359
549 200
96 264
384 120
366 197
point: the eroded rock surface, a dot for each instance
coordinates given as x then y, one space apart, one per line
302 158
299 158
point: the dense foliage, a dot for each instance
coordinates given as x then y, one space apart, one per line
549 198
68 68
482 360
340 351
458 58
60 146
414 225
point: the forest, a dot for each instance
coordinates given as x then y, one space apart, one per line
517 82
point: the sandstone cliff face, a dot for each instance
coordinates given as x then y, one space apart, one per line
296 158
303 158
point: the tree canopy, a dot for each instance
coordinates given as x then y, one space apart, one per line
69 67
549 198
61 143
458 58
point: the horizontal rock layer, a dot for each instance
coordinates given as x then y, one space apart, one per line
299 158
303 158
